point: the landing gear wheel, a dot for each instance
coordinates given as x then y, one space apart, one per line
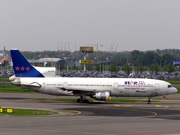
79 100
149 100
86 101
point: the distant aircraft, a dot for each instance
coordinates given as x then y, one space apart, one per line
99 88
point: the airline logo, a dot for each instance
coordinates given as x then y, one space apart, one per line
134 83
22 68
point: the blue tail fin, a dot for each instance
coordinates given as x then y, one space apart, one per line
22 68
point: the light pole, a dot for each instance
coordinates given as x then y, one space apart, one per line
107 63
65 58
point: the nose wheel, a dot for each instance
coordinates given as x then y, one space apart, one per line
149 100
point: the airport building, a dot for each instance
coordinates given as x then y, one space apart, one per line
45 61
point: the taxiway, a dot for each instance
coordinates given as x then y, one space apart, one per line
97 118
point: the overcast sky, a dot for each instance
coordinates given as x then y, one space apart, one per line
31 25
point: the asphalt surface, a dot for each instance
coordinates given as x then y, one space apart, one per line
97 118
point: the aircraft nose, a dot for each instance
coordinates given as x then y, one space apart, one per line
173 90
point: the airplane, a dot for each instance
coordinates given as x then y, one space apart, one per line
98 88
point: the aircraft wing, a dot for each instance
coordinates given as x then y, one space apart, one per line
78 91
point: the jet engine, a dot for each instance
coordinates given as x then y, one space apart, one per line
104 96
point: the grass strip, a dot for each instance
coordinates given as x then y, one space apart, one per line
28 112
64 99
173 82
166 98
178 90
9 88
4 79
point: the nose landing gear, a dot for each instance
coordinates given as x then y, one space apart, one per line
149 100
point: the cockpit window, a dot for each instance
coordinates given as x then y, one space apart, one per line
169 86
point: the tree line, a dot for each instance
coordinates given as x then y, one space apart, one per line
132 60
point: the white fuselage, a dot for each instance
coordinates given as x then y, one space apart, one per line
127 87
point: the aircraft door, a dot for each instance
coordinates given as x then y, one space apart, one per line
115 89
156 88
115 86
65 84
44 85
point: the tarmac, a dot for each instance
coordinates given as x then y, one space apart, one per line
97 118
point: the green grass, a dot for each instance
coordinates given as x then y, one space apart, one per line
166 99
58 99
4 79
178 90
173 82
63 99
8 88
28 112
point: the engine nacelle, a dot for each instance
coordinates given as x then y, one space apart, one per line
104 96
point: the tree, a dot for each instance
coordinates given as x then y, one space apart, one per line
155 68
136 57
170 68
112 67
140 68
150 58
127 69
98 67
167 58
89 67
74 66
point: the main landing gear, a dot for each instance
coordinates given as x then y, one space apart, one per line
82 99
149 100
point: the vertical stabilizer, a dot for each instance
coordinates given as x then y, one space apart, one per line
22 68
